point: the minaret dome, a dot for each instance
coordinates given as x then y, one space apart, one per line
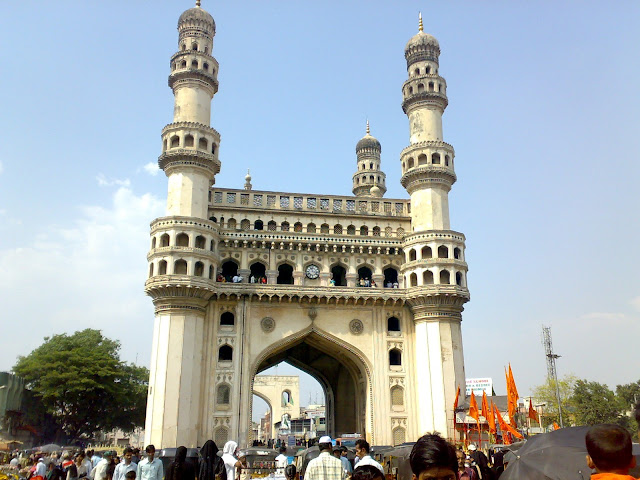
369 175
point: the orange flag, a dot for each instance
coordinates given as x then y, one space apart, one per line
512 395
514 390
505 427
473 408
533 415
455 403
556 426
485 405
491 420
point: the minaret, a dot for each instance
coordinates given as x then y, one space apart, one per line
435 270
184 257
189 145
369 180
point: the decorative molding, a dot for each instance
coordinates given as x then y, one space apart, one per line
268 324
356 326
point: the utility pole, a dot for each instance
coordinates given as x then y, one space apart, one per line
552 375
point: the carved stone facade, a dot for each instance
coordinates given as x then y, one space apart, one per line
362 292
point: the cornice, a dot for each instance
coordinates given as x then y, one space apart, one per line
172 222
429 235
430 144
172 127
188 157
195 253
434 262
436 99
197 76
418 177
186 53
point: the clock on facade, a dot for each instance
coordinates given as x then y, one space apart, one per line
312 272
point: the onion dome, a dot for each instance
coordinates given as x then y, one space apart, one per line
197 15
376 191
368 141
422 46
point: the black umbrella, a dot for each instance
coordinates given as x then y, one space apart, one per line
557 455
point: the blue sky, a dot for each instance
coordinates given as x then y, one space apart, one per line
542 115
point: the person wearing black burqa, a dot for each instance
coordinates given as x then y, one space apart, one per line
211 466
180 469
480 459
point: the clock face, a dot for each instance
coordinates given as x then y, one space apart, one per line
312 272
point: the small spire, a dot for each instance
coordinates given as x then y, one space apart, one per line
247 183
368 130
197 3
420 26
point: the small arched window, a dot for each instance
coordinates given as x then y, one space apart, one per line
183 47
182 240
213 148
271 226
426 252
198 269
231 224
413 280
311 228
337 229
364 230
297 227
188 141
150 270
153 242
162 267
180 267
258 225
410 163
435 159
194 64
351 230
445 277
427 277
245 224
225 353
458 279
443 252
422 159
457 253
416 71
428 70
203 144
324 228
286 398
227 319
376 231
412 255
205 66
420 87
223 395
183 64
397 396
284 226
393 324
194 47
201 242
210 272
175 141
395 357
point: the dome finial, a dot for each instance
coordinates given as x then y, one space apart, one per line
197 3
420 26
368 130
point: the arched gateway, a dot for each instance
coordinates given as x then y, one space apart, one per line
347 288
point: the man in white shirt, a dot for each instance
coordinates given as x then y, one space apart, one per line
150 468
126 465
99 472
281 461
41 468
362 452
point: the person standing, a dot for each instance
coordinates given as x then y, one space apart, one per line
464 472
362 452
345 460
127 465
480 459
41 468
229 459
325 466
180 469
78 469
99 472
281 461
211 465
150 468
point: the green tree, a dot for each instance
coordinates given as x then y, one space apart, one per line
629 394
596 403
546 393
84 385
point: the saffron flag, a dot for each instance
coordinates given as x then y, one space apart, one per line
533 415
485 405
455 403
473 408
514 390
505 427
512 395
556 426
491 420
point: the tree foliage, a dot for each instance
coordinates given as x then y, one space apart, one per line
546 393
595 403
83 383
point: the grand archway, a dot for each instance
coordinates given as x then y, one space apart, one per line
339 368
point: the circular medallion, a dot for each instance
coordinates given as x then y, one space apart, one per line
268 324
312 272
356 326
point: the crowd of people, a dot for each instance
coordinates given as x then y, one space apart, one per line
609 455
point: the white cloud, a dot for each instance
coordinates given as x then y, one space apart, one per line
89 274
104 181
151 168
605 316
635 303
